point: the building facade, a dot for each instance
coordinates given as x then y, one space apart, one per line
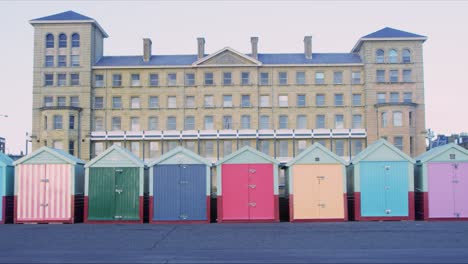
214 104
2 145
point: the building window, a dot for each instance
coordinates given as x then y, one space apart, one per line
393 56
393 76
209 78
408 97
99 102
282 78
227 100
153 102
319 78
339 147
153 123
116 102
62 61
75 101
357 147
245 142
49 41
190 145
134 124
135 80
357 121
357 99
338 77
46 125
301 122
381 98
410 119
190 79
61 79
98 148
49 61
98 124
265 101
264 146
397 119
339 121
75 40
99 80
245 100
320 100
189 123
209 149
301 100
282 100
135 102
398 142
283 122
57 144
75 60
62 41
227 147
75 79
320 121
61 101
154 79
264 78
227 122
171 123
117 80
339 100
407 76
264 122
384 119
48 101
209 101
209 122
356 77
379 56
380 76
190 101
171 79
245 122
283 148
245 78
116 123
154 149
300 78
301 145
171 102
49 80
394 97
135 148
58 122
71 122
227 78
406 56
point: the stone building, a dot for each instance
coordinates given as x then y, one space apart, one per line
213 104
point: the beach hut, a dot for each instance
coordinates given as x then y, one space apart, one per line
179 188
247 187
7 177
442 184
317 186
114 187
49 187
383 183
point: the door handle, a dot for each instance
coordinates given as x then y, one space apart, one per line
183 182
321 205
44 204
387 187
252 186
388 211
455 181
252 170
119 191
252 204
45 180
321 177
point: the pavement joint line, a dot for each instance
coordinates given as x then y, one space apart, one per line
155 244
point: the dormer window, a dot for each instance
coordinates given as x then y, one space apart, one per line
393 56
49 41
406 56
62 41
75 40
379 56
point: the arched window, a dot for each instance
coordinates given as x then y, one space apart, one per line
75 40
62 41
379 56
406 56
49 41
393 56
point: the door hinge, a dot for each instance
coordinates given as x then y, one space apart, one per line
45 180
252 204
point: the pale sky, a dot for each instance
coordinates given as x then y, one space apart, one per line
174 26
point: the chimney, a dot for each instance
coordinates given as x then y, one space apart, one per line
147 49
308 47
201 47
254 42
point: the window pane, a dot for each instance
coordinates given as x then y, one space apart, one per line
379 56
339 147
171 123
61 101
357 121
154 149
62 41
171 102
319 78
380 76
398 142
300 78
48 101
227 122
154 102
135 80
154 79
135 102
116 80
227 100
357 99
171 79
301 122
381 98
264 101
384 120
301 100
283 148
283 101
357 147
75 101
301 145
245 76
283 78
227 78
339 100
76 40
75 60
338 77
245 100
209 122
393 56
227 147
99 80
320 121
75 79
209 101
58 122
135 124
339 121
394 76
408 97
49 61
407 76
117 102
190 102
189 79
397 119
320 100
406 56
356 77
98 124
394 97
264 78
153 123
264 122
283 122
189 123
209 149
264 146
62 61
209 78
245 122
116 123
135 148
49 41
62 79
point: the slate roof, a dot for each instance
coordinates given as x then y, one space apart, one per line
69 15
266 59
389 32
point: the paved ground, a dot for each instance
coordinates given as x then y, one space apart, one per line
390 242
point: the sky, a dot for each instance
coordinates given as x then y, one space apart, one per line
280 25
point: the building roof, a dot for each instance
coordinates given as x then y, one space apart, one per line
434 152
375 146
266 59
5 160
389 32
55 152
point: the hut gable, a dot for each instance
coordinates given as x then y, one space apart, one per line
180 155
46 155
447 153
247 155
115 156
316 154
381 150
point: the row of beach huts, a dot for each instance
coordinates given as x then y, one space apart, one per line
380 183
